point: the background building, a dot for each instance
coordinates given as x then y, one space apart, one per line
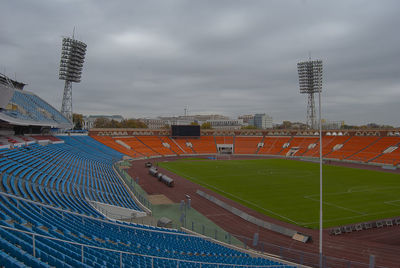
262 121
226 123
88 121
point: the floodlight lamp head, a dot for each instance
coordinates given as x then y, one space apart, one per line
72 59
310 76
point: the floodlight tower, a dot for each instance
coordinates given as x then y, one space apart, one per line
72 58
310 81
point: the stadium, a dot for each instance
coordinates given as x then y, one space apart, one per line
240 179
230 198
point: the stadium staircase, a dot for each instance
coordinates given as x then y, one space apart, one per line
177 145
234 144
110 142
342 140
262 141
379 148
183 144
363 154
164 140
358 154
215 143
149 147
392 158
190 148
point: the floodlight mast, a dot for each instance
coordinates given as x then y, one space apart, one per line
71 63
310 81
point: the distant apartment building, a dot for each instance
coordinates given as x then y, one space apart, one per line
88 121
262 121
154 123
247 119
226 123
328 124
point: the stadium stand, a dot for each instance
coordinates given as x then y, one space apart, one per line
183 144
54 173
246 145
273 145
26 108
224 139
174 147
328 142
45 137
204 145
351 147
111 142
392 156
43 195
299 145
139 146
356 148
92 232
374 149
156 144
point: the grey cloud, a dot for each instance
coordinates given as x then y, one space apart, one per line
149 58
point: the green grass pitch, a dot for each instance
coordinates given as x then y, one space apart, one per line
289 190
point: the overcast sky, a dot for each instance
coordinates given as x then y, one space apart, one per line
151 58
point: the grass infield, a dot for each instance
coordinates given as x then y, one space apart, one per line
288 190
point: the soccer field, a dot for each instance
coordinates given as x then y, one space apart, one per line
289 190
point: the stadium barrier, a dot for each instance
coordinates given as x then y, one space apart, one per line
365 226
308 259
115 212
267 225
121 254
137 193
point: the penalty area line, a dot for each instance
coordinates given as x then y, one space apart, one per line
336 206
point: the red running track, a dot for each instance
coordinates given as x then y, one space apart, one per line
356 247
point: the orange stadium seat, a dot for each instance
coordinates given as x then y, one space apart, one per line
358 148
375 149
351 147
204 145
156 144
393 157
224 139
174 147
301 143
182 143
273 145
246 145
110 142
328 142
139 146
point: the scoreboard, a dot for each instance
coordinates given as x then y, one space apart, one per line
185 131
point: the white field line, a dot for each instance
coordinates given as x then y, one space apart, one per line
229 194
352 217
393 201
333 205
351 190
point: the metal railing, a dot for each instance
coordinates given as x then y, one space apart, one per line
122 253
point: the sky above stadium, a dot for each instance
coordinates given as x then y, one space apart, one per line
151 58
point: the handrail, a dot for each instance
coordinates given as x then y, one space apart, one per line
136 254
